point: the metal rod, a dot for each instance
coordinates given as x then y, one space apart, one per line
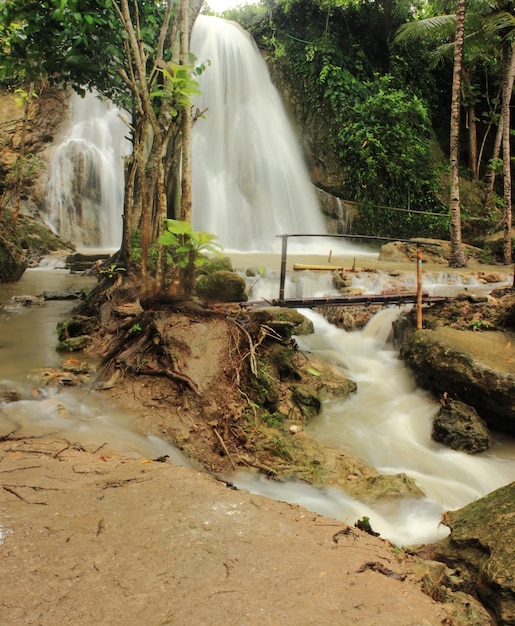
282 280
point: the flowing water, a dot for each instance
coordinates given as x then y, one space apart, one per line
27 344
387 422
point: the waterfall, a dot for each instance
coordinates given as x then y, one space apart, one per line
250 182
84 189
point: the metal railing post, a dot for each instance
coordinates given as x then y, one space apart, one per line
282 280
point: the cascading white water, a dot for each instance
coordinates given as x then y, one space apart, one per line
84 190
250 182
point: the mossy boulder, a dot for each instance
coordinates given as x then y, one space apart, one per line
285 322
307 400
12 262
25 245
494 245
506 312
481 546
433 251
215 264
74 333
467 366
222 286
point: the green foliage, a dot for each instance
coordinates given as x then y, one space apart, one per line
186 244
179 85
375 97
69 41
111 271
477 325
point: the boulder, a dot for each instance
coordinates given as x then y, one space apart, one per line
433 251
222 286
458 426
285 322
307 400
70 293
481 549
12 262
506 313
494 245
475 368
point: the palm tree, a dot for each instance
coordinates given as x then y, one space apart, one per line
490 24
502 25
457 257
417 30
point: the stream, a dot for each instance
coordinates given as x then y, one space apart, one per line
387 422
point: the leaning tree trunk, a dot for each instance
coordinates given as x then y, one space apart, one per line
510 71
457 257
507 84
186 184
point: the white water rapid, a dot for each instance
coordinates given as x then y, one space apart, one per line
84 189
387 423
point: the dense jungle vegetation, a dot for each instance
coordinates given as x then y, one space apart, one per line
379 76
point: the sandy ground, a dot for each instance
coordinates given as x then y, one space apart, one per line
96 538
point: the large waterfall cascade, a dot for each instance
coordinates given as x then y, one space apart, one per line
84 190
250 182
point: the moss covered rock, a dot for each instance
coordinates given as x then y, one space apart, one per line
222 286
475 368
481 547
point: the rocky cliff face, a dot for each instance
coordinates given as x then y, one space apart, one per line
47 115
22 246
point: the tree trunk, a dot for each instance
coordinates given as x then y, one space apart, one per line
471 121
21 158
186 120
507 84
473 142
457 257
498 139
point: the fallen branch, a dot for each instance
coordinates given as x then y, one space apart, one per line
126 481
222 443
379 567
11 489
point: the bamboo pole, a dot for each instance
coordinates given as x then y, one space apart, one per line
419 288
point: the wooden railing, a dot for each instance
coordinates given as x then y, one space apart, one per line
418 297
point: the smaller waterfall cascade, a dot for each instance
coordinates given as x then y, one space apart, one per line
250 182
84 189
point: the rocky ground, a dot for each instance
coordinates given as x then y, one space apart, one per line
95 538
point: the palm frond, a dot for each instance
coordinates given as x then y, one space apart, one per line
502 23
441 53
421 29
